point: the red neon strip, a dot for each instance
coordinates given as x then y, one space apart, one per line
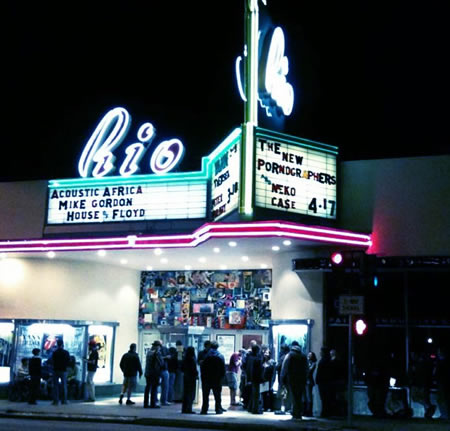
200 235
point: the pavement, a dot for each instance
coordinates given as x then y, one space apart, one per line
108 410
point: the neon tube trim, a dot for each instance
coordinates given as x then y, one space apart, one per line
199 236
204 174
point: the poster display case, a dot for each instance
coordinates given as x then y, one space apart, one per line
103 336
285 332
226 345
19 337
6 347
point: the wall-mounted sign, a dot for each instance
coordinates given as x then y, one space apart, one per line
351 304
98 157
131 202
295 176
225 181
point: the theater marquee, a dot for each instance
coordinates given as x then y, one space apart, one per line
295 175
131 202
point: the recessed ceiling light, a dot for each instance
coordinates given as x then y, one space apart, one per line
157 251
263 265
216 250
244 258
164 260
202 259
275 248
51 254
287 242
223 267
149 268
232 243
123 261
187 267
101 253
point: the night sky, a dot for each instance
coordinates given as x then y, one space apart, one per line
369 77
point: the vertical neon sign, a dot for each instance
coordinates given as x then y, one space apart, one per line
250 106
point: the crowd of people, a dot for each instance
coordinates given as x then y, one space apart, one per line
57 377
251 376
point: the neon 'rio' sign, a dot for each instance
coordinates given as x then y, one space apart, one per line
98 157
274 90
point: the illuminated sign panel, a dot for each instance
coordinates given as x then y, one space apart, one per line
225 181
132 202
296 177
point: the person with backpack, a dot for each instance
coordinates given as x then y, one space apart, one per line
153 367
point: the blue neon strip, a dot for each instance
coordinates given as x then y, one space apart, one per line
202 175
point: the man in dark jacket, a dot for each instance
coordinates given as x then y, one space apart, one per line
293 373
324 379
212 372
35 370
254 371
61 360
154 364
130 365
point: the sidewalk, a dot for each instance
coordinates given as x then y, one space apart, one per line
108 410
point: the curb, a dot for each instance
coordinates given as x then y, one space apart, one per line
163 422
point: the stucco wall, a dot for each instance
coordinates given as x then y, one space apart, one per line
403 202
22 209
50 289
297 298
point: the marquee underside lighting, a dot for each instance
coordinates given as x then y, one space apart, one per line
203 234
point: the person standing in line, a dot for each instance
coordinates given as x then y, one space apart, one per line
92 365
232 376
253 370
164 375
61 360
324 380
339 372
245 384
293 372
310 383
190 376
377 380
243 379
178 384
283 392
212 371
35 369
204 352
172 366
154 363
268 379
130 365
